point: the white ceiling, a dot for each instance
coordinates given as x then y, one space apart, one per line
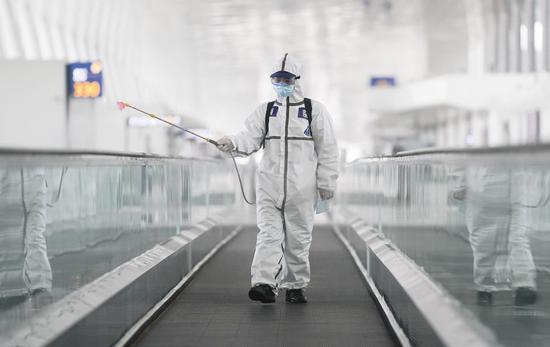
211 59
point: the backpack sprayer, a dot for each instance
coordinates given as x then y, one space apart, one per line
122 105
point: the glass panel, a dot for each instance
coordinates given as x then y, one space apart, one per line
64 222
478 224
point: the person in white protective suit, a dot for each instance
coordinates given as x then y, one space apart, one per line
298 170
24 264
496 203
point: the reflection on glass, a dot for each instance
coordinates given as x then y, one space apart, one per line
477 224
496 202
24 265
64 225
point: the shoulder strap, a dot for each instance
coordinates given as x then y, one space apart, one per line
267 114
309 112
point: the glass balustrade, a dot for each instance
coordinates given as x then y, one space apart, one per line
478 223
67 219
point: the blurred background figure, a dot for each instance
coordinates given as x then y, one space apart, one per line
24 265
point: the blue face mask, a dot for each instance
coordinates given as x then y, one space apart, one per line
283 89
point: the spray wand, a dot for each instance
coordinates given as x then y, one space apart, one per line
122 105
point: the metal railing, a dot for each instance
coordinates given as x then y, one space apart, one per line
476 221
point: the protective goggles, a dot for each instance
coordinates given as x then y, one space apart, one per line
285 80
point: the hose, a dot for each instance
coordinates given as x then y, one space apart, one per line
240 180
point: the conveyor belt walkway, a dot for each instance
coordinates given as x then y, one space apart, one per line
214 309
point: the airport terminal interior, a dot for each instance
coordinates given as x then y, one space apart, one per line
191 172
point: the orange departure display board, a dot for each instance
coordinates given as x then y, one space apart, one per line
85 79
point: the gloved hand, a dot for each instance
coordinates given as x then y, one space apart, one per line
225 144
325 194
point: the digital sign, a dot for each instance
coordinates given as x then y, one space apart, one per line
85 79
382 81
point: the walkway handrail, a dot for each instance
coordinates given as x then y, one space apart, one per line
68 152
523 149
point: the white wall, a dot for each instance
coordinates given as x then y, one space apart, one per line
35 113
32 104
446 35
545 125
96 124
211 60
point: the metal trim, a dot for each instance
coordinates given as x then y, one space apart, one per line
39 152
379 299
429 301
53 158
485 150
61 322
133 333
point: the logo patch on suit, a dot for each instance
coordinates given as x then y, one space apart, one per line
302 113
307 132
274 111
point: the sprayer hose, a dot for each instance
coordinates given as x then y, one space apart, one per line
240 179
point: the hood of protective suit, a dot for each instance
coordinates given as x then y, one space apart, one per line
289 63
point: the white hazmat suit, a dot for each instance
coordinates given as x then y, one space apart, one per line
24 264
496 216
297 161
